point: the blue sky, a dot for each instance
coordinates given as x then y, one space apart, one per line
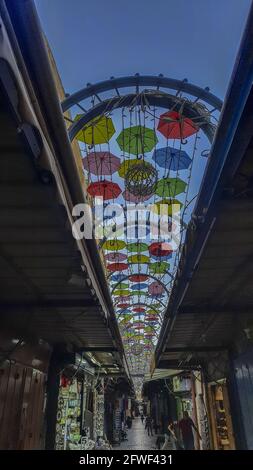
92 40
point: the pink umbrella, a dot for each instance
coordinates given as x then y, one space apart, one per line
115 256
101 163
123 299
156 288
132 198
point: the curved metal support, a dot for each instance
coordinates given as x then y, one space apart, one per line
142 80
153 99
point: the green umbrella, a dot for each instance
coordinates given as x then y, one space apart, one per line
171 205
137 292
121 292
170 187
114 245
137 247
137 140
135 259
161 267
122 285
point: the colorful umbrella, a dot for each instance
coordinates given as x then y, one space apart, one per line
117 277
160 249
171 158
137 247
170 187
170 205
174 125
155 288
137 140
138 277
123 298
98 131
101 163
124 311
139 309
114 245
137 292
122 285
113 267
105 189
129 197
123 305
117 257
160 267
158 258
139 286
121 292
136 259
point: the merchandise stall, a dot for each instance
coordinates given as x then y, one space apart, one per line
221 422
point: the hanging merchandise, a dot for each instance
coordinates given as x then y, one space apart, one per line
68 433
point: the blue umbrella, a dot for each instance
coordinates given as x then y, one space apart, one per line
174 159
124 311
161 258
139 286
118 277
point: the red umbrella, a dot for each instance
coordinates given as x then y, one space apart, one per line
123 305
113 267
156 288
139 309
174 125
106 189
150 318
138 277
101 163
115 256
160 249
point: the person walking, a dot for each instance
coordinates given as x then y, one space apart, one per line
186 425
142 417
148 425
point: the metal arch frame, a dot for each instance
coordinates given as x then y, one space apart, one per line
163 100
149 275
142 80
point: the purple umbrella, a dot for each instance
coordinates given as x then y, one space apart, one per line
115 257
132 198
156 288
101 163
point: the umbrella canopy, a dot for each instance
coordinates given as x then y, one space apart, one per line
121 285
136 259
137 140
105 189
123 298
174 125
171 205
121 292
138 293
123 305
171 158
101 163
124 311
129 197
113 267
170 187
137 247
138 277
139 286
115 256
97 131
114 245
156 288
158 258
160 249
160 267
139 309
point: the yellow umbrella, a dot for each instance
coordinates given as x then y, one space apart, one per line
97 131
124 167
138 259
121 292
114 245
173 205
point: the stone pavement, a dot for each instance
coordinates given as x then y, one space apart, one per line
138 438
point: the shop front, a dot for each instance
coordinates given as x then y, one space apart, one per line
220 416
